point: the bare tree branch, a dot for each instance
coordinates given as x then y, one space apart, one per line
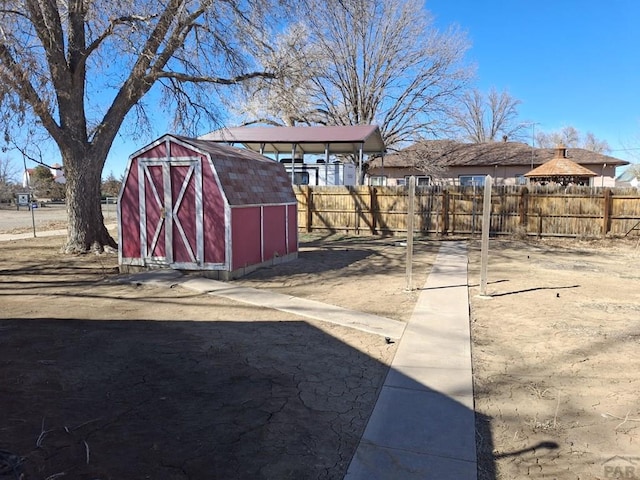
80 69
113 24
570 137
364 62
480 119
182 77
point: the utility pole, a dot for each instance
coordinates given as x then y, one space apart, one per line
533 140
533 137
27 184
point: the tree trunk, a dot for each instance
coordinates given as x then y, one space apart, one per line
86 230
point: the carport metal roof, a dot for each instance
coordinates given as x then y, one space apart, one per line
346 139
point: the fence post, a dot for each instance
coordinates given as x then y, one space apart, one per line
486 227
452 206
373 201
539 222
606 215
309 209
523 206
410 219
445 211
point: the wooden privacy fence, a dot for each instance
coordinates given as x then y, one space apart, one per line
541 211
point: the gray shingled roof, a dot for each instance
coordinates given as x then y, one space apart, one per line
247 178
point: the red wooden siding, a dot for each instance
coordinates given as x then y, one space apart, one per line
274 231
293 228
215 240
245 237
130 214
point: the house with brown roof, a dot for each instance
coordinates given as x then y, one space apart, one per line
446 162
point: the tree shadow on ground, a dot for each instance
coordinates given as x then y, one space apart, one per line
185 399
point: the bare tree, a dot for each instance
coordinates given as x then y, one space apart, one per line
111 186
590 142
370 62
9 174
482 119
570 137
282 100
432 157
78 68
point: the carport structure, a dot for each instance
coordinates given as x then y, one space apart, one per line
357 140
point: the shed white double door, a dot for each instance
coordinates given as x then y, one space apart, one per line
171 217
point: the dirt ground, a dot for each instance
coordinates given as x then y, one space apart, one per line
104 380
556 355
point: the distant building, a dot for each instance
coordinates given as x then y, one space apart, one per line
628 178
56 170
468 164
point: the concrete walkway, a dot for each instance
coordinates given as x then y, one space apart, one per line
423 424
8 237
367 322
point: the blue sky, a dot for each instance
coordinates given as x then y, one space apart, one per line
570 62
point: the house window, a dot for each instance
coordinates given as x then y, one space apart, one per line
401 182
471 180
301 178
378 181
421 181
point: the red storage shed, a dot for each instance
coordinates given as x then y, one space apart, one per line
191 204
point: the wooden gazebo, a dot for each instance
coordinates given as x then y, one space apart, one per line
560 170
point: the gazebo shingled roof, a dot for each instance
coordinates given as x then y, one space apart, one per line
560 166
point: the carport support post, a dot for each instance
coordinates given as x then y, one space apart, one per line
293 163
360 158
486 226
326 164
